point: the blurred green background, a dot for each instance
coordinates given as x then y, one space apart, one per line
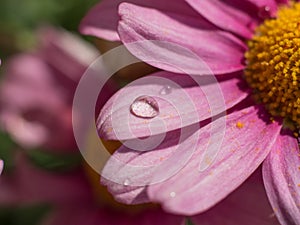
18 20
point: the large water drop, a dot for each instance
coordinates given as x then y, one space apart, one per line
144 107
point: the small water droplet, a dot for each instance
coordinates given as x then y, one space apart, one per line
172 194
126 182
144 107
166 90
264 12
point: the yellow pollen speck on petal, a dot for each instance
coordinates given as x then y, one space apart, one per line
239 125
273 64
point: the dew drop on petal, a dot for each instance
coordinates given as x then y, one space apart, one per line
166 90
172 194
144 107
264 12
126 182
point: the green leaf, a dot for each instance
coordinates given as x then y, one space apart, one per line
188 221
30 215
7 150
54 161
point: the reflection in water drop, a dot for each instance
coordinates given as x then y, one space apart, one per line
264 12
144 107
166 90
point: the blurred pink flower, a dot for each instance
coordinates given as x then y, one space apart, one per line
38 87
70 195
216 31
1 166
71 198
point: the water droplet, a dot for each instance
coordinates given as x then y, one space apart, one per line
126 182
144 107
172 194
264 12
166 90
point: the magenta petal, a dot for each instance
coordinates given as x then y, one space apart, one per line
282 1
176 170
185 102
66 52
128 172
125 193
102 20
233 16
282 179
241 207
1 166
221 51
194 190
224 15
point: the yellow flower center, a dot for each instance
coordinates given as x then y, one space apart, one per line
273 64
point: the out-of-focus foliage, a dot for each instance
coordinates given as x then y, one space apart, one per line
7 149
18 20
188 222
56 162
23 215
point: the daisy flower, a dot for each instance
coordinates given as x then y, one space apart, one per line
253 49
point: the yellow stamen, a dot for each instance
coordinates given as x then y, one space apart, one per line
239 125
273 64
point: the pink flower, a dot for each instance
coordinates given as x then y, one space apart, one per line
71 200
70 197
1 166
221 33
38 88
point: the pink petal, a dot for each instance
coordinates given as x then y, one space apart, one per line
185 102
281 174
241 206
184 155
243 149
233 16
102 20
178 37
124 193
66 52
127 172
1 166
